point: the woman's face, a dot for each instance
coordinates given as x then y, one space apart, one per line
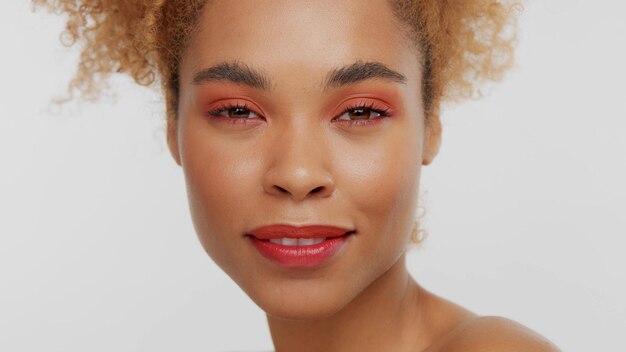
301 113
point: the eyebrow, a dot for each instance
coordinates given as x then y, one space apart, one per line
235 72
240 73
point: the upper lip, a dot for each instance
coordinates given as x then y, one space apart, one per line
289 231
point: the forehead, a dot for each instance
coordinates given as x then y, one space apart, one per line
299 38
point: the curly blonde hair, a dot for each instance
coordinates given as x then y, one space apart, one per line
464 42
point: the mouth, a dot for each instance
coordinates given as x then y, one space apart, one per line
306 246
291 242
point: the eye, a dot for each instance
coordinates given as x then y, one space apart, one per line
363 114
234 111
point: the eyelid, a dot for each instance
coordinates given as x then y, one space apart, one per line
225 104
376 104
364 102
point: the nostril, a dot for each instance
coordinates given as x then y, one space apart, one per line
317 189
282 190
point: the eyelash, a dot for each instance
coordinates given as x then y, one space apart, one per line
371 107
216 113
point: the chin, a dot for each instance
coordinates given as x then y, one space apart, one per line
303 311
296 302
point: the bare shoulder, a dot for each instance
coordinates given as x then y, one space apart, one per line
491 333
452 328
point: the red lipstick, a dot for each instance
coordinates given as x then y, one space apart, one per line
305 246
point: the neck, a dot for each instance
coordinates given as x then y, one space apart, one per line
385 316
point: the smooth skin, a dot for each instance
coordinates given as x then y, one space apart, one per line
288 154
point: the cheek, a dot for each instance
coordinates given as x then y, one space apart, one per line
382 182
219 180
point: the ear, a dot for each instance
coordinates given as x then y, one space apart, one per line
432 139
172 138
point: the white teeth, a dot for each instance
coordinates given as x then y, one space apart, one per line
309 241
297 241
289 241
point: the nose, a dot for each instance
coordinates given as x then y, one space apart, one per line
298 165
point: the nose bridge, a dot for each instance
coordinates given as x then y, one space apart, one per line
299 160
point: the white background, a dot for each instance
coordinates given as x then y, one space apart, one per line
524 203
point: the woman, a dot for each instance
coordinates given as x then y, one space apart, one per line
301 128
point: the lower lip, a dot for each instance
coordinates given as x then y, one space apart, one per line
300 256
